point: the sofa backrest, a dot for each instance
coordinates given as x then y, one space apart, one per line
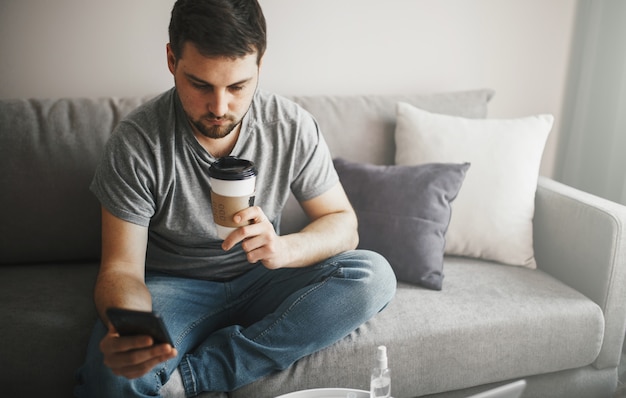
48 153
49 150
361 128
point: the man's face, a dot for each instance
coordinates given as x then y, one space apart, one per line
215 92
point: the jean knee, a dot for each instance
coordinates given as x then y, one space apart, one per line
376 272
382 272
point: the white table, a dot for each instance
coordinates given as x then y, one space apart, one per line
328 393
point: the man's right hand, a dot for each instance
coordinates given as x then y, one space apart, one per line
133 356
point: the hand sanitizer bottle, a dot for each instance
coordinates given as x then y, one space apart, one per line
380 385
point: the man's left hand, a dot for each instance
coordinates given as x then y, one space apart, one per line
258 239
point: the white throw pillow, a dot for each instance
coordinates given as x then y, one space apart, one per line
492 216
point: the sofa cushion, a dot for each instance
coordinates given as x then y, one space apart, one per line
371 121
403 213
372 118
48 153
46 327
507 323
493 214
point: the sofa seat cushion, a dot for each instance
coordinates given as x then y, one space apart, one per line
47 314
509 322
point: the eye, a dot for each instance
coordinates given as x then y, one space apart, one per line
201 86
236 88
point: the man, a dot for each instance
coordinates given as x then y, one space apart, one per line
256 302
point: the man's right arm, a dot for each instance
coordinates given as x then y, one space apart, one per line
121 283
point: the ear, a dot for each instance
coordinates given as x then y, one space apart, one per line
171 59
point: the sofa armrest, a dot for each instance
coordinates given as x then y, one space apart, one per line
580 239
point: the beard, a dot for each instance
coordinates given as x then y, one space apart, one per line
204 127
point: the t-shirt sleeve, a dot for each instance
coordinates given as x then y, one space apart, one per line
316 173
124 180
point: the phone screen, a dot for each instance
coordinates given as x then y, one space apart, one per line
133 323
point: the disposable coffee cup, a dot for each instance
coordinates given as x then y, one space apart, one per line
233 182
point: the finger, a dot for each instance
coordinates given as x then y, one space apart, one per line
133 364
113 343
253 214
263 248
257 218
255 236
232 239
254 243
257 255
135 371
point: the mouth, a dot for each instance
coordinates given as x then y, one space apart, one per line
218 121
214 127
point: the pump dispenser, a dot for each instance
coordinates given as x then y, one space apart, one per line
380 385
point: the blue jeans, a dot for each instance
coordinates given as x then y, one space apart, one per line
229 334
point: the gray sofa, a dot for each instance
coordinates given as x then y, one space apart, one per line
560 327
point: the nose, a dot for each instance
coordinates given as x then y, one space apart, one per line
218 105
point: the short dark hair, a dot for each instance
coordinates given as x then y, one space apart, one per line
218 28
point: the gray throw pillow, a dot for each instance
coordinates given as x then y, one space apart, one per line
403 213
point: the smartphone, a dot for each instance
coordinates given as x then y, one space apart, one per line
132 323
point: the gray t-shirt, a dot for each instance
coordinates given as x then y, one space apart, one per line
154 173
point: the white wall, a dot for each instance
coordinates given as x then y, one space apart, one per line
520 48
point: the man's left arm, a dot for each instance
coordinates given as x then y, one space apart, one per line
332 230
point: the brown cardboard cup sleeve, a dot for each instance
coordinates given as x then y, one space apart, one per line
225 207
